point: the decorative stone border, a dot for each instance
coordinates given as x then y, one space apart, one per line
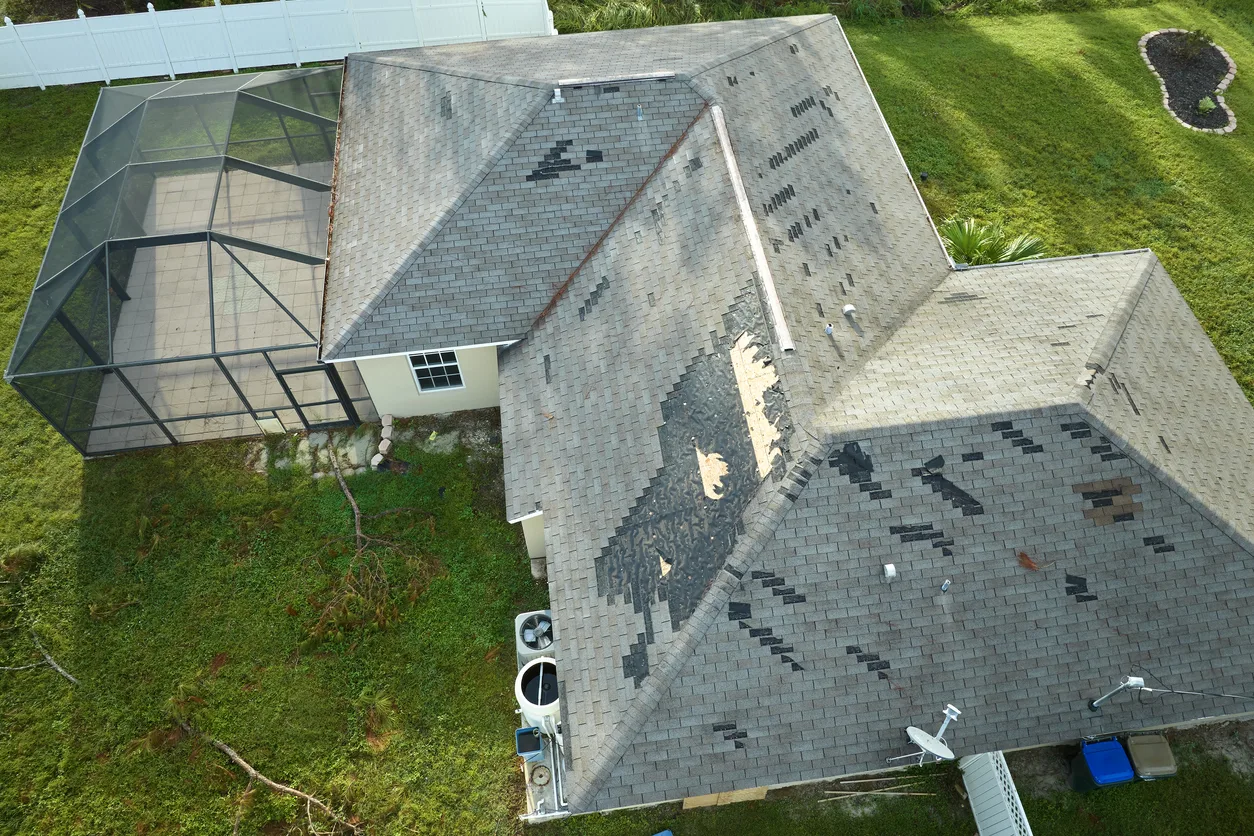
1223 85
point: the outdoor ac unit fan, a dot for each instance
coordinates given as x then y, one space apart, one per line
533 636
536 631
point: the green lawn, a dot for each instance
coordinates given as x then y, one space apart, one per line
1053 124
1207 797
1049 123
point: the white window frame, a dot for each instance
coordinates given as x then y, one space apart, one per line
444 364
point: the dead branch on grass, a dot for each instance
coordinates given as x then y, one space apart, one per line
363 594
51 662
48 660
275 786
243 802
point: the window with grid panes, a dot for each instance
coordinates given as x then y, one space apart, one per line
435 370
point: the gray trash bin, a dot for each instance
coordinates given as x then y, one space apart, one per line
1151 757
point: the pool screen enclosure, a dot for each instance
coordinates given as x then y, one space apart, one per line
180 296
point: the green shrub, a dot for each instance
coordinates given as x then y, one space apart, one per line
971 242
1206 105
1193 44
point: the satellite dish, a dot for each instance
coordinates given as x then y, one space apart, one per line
930 745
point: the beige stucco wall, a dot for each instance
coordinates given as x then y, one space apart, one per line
394 392
533 533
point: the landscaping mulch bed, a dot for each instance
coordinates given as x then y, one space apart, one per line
1187 81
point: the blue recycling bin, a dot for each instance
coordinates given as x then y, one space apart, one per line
529 744
1100 764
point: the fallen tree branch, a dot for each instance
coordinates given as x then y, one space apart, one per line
24 667
254 775
51 662
339 477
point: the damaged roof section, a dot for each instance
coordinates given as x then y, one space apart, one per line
823 680
627 420
835 207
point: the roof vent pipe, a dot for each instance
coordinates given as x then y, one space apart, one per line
850 312
557 95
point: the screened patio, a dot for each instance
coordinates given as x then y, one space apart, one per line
180 296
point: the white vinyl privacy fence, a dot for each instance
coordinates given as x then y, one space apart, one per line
236 37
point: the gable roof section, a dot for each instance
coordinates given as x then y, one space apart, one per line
678 50
835 206
403 169
777 692
992 340
992 373
1163 387
525 227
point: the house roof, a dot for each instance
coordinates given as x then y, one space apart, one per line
721 480
439 145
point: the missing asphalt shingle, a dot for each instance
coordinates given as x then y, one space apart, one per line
779 199
636 662
548 375
1111 500
704 411
955 495
554 163
593 156
766 638
586 308
874 663
793 148
802 106
1078 587
446 106
961 296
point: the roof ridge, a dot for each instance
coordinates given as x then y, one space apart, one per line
966 268
767 40
490 162
767 511
1108 340
514 81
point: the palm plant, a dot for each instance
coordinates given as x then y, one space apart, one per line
971 242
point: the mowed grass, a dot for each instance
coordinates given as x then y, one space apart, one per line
1053 125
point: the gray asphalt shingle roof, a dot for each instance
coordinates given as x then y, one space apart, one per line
717 511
